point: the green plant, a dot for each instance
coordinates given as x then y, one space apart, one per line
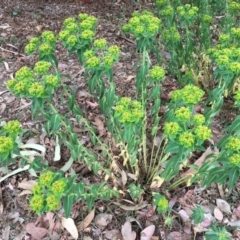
197 215
217 233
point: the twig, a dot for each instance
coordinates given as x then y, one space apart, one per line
13 52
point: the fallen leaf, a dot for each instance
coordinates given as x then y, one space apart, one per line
113 234
146 234
237 212
103 219
223 205
174 236
70 226
234 224
36 232
127 232
218 214
27 185
129 78
25 192
6 233
131 208
91 104
100 126
198 162
88 219
124 177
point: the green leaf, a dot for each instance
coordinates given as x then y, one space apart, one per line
233 177
70 101
156 107
55 123
68 204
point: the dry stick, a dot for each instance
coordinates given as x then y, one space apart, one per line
13 52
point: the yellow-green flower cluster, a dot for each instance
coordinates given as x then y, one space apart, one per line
77 30
24 73
157 73
186 139
72 40
161 3
59 186
234 6
63 35
161 203
93 62
6 144
37 203
36 90
48 37
207 19
87 34
114 50
32 45
183 114
108 60
172 128
69 20
171 35
47 192
224 38
88 54
235 159
167 11
235 32
198 119
71 27
51 80
190 94
46 179
233 144
128 111
12 127
143 24
42 67
100 43
45 49
203 132
187 12
53 202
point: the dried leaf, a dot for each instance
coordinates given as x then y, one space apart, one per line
174 236
237 212
198 162
113 234
6 233
57 152
36 232
131 208
147 233
70 226
234 224
127 232
129 78
25 192
223 205
218 214
103 219
124 177
100 125
27 185
88 219
91 104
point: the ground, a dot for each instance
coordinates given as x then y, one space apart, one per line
20 20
